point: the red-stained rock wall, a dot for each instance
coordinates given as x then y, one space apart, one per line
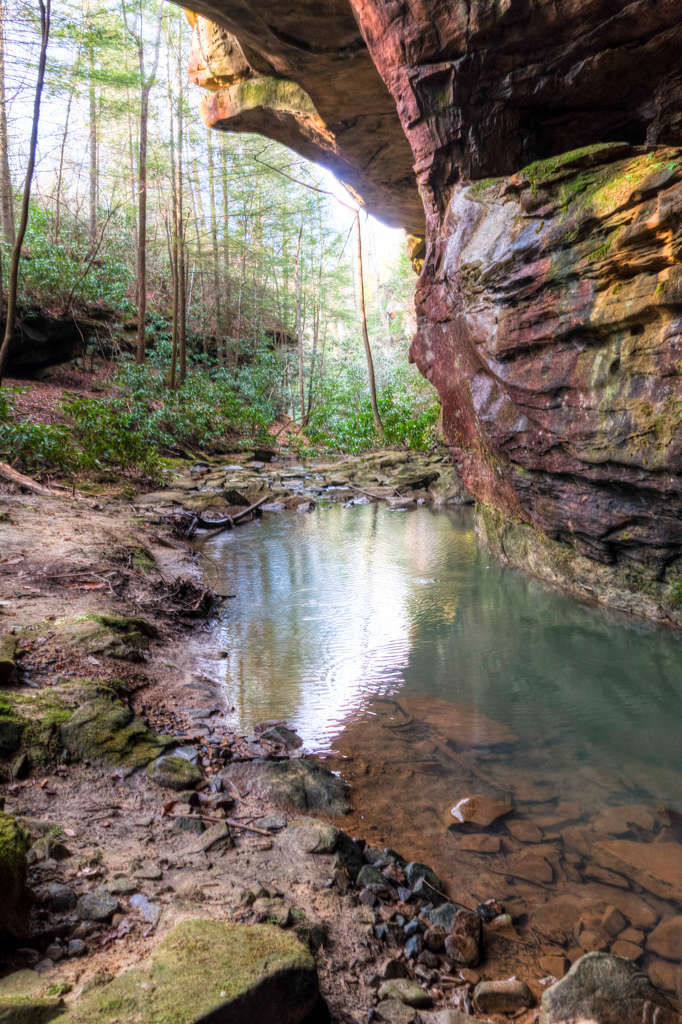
550 301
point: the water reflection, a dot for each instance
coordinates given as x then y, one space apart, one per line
392 637
343 605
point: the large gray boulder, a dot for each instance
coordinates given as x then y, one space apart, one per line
605 989
301 784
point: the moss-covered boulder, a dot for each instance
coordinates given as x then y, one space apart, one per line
104 729
12 726
8 665
210 971
112 636
174 772
14 842
29 1009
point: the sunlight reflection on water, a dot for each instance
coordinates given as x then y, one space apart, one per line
340 606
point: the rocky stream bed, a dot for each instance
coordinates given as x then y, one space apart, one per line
158 866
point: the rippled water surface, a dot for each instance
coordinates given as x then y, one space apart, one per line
427 673
338 607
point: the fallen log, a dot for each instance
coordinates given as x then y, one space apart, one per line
228 521
14 477
224 821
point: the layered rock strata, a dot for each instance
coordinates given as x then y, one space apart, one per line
545 145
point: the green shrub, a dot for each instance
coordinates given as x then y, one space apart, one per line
107 436
342 420
65 274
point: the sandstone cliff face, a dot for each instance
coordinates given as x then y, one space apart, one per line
550 302
549 321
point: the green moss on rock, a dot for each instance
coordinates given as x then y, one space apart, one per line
174 772
674 593
106 730
8 665
114 636
14 843
126 624
29 1010
31 721
544 170
210 971
12 727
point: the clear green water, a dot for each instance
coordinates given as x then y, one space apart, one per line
336 608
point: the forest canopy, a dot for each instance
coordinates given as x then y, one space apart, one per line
213 277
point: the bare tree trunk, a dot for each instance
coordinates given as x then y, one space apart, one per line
132 183
227 316
60 173
6 192
45 12
92 143
141 346
317 314
172 232
214 241
299 326
176 291
180 239
146 83
198 217
316 335
368 351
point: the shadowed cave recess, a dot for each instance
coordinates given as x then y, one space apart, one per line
533 153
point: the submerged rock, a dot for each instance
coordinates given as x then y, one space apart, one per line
477 810
282 734
666 939
301 784
657 867
463 943
508 996
211 970
607 989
